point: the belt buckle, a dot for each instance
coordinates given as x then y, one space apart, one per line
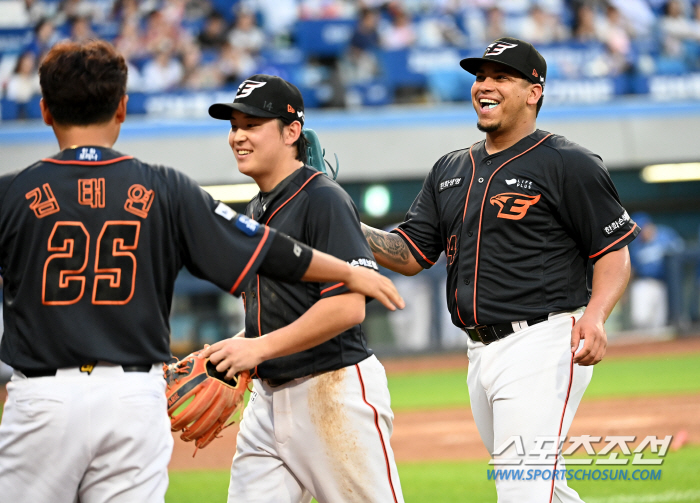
478 329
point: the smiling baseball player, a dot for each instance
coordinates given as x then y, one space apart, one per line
319 420
522 217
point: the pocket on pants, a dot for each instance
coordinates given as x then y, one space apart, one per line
34 405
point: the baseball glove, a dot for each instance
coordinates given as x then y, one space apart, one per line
314 155
200 402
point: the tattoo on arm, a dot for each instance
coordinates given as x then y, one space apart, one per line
389 246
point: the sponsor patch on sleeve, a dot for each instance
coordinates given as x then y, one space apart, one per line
452 182
616 224
247 225
363 262
224 211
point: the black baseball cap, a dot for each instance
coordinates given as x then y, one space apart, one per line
264 96
517 54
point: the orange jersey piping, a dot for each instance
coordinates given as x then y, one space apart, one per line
481 215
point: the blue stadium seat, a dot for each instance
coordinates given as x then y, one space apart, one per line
326 37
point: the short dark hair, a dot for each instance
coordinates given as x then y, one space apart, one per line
539 105
83 83
301 144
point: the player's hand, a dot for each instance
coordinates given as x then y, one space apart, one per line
372 284
592 331
235 354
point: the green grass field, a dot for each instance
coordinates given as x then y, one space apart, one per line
611 378
455 482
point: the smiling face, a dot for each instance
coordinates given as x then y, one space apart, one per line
503 99
261 150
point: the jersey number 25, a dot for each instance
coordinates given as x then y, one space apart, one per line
115 265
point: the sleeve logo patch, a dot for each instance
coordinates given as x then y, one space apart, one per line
452 182
224 211
88 154
247 225
363 262
616 224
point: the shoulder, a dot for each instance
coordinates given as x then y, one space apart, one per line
456 157
572 154
323 189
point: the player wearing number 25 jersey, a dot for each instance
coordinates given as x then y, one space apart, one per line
91 241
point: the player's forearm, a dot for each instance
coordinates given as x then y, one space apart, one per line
323 321
391 251
325 268
610 277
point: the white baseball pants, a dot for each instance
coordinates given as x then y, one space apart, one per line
527 385
325 436
98 438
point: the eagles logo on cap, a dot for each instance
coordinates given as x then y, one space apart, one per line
264 96
517 54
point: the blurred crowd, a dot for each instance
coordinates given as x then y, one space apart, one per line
210 44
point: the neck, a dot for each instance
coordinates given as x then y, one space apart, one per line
97 135
497 141
269 181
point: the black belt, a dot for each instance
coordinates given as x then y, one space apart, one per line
490 333
274 383
52 372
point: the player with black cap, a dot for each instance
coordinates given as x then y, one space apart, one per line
522 217
319 419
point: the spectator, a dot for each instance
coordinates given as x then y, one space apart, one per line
648 289
675 29
45 37
495 24
585 24
278 18
440 30
80 30
614 31
327 9
234 64
246 35
197 75
357 66
23 85
541 28
213 35
127 12
400 33
160 32
130 42
638 15
164 72
366 34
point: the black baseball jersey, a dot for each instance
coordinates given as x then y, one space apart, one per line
519 227
311 208
91 242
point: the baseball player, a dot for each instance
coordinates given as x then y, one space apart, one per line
522 218
91 241
319 419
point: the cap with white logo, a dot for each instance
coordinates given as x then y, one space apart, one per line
517 54
264 96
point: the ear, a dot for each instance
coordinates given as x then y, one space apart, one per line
292 132
534 95
45 113
120 115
